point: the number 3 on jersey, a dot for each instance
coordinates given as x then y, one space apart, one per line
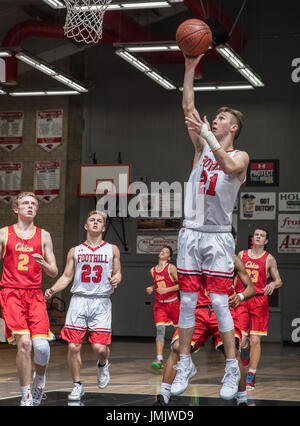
212 183
87 271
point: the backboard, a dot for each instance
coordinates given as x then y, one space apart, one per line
96 180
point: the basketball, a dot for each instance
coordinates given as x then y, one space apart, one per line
193 37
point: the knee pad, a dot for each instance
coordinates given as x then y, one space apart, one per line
188 302
160 333
41 351
221 309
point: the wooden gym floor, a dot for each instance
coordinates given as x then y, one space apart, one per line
134 383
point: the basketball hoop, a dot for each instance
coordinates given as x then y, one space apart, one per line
84 19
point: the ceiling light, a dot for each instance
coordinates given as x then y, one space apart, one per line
5 54
2 92
207 88
146 68
45 93
48 70
59 4
238 63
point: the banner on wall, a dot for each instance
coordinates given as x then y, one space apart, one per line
46 180
289 222
49 129
289 201
258 205
263 173
288 243
152 244
11 129
10 181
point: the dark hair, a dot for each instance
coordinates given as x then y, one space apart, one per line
170 250
262 228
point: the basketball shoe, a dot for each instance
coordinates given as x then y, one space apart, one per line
157 365
183 375
27 400
160 401
103 375
37 392
77 392
230 381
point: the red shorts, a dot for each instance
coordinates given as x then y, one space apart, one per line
25 312
167 313
102 337
253 316
206 325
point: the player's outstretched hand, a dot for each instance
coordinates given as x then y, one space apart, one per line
192 61
195 123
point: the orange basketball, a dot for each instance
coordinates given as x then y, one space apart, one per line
193 37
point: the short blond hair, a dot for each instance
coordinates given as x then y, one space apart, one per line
15 202
99 212
237 116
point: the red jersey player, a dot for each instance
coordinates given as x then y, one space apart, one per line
167 305
206 325
27 250
259 264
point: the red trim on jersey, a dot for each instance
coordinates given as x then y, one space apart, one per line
94 248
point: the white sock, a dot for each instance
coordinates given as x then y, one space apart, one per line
26 390
241 397
185 359
165 391
159 358
230 361
251 371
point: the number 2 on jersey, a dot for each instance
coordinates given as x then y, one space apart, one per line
212 183
87 271
23 261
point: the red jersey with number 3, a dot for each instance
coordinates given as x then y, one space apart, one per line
93 268
20 269
257 269
163 279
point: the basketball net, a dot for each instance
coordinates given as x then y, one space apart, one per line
84 19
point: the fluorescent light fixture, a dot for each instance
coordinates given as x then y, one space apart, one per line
48 70
207 88
59 4
146 69
45 93
2 92
56 4
152 47
5 54
238 63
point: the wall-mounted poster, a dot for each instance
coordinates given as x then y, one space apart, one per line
46 180
49 129
11 129
288 222
10 181
288 243
263 173
258 205
289 201
152 244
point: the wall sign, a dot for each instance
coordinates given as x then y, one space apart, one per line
258 205
11 129
289 201
10 181
49 129
263 173
46 180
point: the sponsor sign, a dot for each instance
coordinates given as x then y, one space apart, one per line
288 243
258 205
289 223
288 201
263 173
152 244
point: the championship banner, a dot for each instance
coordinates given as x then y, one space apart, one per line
49 129
258 205
263 173
11 129
10 181
47 180
152 244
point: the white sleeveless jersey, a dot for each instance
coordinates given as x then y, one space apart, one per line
210 195
93 267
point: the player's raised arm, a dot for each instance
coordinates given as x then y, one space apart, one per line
188 102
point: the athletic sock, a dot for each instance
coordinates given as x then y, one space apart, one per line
165 391
159 358
185 359
251 370
25 390
241 397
